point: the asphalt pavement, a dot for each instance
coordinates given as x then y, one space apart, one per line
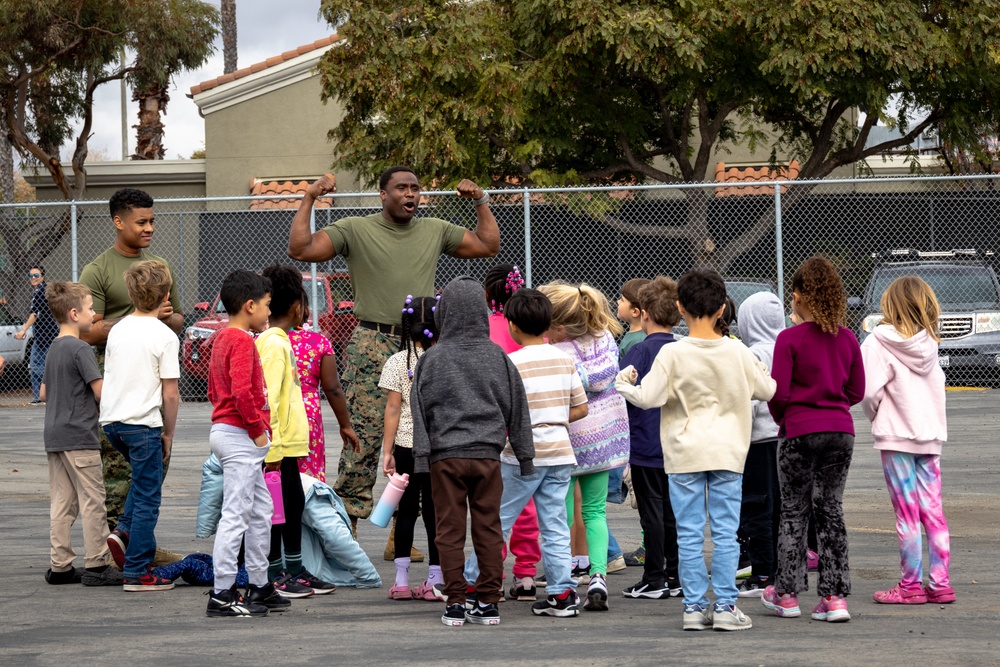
71 625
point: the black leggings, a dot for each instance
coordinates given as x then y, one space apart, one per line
418 489
290 532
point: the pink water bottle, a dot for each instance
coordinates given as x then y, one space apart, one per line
390 499
273 481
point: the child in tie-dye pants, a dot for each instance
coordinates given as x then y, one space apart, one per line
905 400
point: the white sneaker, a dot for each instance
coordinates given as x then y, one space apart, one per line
730 618
696 618
597 594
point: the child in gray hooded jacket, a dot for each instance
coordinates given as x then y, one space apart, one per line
467 400
759 320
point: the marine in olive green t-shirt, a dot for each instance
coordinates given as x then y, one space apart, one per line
105 276
387 260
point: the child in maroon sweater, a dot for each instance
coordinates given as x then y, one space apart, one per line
819 376
240 439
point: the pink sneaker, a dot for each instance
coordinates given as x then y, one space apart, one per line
400 593
940 595
898 595
427 592
785 605
812 560
832 608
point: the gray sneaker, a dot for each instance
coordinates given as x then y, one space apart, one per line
109 577
727 617
697 618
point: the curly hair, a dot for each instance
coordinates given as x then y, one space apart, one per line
580 310
818 284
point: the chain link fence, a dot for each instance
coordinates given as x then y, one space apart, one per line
755 234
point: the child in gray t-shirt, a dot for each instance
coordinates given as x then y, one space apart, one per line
71 389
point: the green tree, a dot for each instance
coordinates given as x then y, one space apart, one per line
54 54
585 91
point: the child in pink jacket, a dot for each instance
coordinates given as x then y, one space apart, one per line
905 401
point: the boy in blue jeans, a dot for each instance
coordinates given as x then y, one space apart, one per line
703 385
140 379
555 398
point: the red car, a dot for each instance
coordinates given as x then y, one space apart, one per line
336 322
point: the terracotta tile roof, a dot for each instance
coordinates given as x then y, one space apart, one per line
257 67
724 174
259 187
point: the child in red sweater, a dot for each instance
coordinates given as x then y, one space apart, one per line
240 439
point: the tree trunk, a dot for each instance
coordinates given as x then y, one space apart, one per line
149 131
228 10
6 165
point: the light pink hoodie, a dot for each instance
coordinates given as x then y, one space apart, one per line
904 392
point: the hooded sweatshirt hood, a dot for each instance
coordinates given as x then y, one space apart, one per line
467 398
462 314
759 320
904 392
918 353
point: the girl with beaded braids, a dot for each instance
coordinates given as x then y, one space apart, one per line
819 375
500 282
419 333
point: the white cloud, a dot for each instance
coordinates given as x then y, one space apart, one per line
264 29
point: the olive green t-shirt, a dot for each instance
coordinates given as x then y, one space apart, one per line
105 276
387 261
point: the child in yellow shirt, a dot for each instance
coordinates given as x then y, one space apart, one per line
289 433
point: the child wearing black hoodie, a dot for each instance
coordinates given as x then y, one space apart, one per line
467 401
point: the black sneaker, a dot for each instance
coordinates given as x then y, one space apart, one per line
636 558
645 590
480 614
753 586
454 615
118 545
674 585
267 596
109 576
561 606
522 594
231 603
309 580
73 576
288 587
581 575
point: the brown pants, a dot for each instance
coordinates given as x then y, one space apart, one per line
476 484
76 485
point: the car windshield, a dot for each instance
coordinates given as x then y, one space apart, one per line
951 284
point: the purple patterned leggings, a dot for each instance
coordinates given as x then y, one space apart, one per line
914 482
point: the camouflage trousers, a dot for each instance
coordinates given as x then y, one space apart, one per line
366 355
117 471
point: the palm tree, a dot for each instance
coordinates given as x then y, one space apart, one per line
228 36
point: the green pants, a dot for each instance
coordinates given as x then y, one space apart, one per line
366 355
117 471
594 507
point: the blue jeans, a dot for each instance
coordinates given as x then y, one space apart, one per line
142 447
548 485
724 490
36 368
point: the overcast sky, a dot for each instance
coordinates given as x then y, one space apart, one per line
264 29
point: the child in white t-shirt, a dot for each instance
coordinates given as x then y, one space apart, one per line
140 379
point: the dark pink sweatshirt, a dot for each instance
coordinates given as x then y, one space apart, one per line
819 377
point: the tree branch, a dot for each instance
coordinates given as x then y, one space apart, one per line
641 167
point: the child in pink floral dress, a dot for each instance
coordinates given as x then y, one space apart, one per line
317 366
